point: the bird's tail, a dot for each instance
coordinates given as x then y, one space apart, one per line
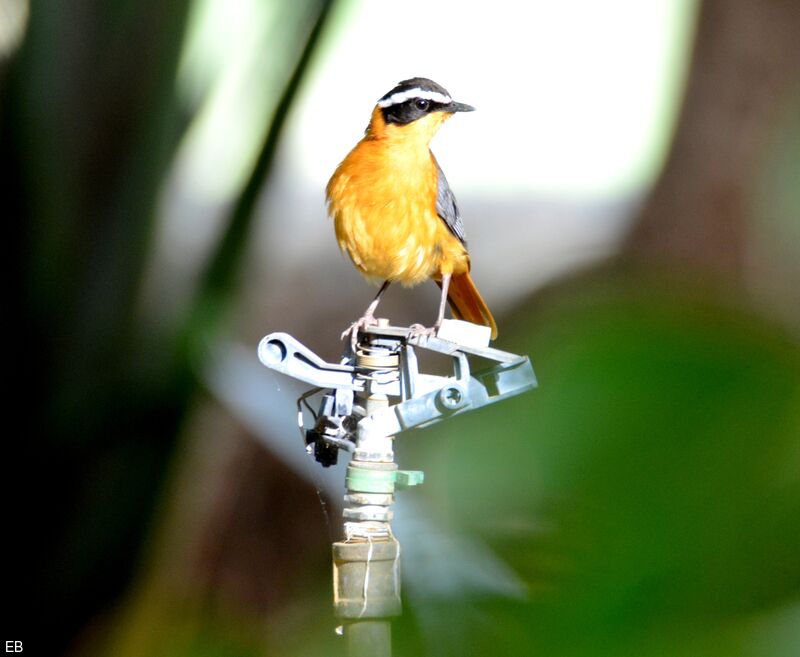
467 303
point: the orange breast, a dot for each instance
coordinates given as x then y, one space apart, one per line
382 198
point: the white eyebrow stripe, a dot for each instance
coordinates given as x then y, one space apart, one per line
403 96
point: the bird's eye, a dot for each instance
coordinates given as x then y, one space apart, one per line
421 104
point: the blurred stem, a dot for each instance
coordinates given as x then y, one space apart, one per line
213 294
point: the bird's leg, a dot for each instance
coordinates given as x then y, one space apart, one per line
442 300
367 319
419 329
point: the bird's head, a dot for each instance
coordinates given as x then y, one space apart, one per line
413 111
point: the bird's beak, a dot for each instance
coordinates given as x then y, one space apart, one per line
457 107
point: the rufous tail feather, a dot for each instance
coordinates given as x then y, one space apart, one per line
467 303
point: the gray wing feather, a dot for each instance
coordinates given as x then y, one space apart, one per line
446 206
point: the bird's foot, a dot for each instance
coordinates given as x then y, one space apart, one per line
355 327
418 330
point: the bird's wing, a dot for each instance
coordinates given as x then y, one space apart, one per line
446 206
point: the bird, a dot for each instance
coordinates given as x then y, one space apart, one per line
393 211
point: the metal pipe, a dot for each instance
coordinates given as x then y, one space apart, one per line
366 564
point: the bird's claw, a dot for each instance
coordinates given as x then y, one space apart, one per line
418 330
360 324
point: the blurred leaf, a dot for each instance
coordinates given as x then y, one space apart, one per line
648 492
214 294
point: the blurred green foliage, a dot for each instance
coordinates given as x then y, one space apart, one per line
89 126
647 493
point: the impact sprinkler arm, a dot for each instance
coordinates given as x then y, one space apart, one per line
368 399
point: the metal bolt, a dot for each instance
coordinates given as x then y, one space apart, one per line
451 398
274 352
